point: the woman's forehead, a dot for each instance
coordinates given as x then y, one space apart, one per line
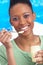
20 8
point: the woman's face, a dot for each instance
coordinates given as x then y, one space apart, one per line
21 17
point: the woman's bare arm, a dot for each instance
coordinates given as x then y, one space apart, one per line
5 39
10 56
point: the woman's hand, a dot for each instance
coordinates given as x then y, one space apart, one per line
5 38
39 57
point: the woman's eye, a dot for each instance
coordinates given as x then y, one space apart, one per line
25 16
15 19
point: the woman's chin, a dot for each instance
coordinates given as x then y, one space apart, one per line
26 33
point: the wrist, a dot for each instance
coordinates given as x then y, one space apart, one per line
8 47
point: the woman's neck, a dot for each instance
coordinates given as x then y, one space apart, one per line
25 40
27 37
24 43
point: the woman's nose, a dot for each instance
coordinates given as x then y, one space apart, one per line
22 21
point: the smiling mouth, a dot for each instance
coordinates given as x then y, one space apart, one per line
24 29
20 32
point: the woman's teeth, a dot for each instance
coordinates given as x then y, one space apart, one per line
20 32
24 28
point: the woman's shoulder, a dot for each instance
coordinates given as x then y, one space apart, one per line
40 39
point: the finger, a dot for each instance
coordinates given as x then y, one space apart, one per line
9 33
4 36
39 62
1 34
39 59
8 39
5 39
39 53
3 30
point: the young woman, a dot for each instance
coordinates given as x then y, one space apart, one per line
18 51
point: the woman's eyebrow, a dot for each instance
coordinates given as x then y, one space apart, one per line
26 13
14 16
22 14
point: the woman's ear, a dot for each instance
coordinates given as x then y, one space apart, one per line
34 16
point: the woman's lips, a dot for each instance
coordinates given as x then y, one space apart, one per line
25 28
22 30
